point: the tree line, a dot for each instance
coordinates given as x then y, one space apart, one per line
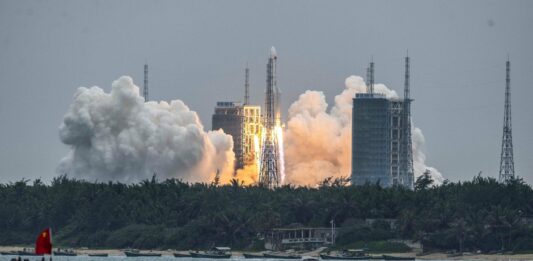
481 214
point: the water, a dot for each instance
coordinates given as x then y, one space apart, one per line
162 258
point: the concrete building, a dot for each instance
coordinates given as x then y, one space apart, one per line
229 117
243 123
300 238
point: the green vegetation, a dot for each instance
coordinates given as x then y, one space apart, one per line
481 214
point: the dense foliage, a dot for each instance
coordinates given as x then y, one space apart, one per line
481 214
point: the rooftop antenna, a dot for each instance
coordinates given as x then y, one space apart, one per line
145 87
506 160
246 85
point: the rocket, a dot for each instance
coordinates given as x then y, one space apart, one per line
273 94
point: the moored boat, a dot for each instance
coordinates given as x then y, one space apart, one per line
64 252
8 253
99 255
27 252
252 256
137 253
282 256
216 252
337 257
176 254
387 257
348 254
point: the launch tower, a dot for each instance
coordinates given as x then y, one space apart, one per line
270 168
406 151
381 136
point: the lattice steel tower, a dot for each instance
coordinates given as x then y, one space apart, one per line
507 162
247 85
270 169
145 87
406 166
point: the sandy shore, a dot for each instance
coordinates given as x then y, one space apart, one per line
433 256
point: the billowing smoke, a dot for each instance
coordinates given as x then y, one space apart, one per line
318 142
117 136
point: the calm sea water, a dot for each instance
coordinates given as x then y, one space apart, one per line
124 258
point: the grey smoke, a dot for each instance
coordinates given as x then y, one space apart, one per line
117 136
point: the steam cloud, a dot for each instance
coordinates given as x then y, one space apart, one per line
117 136
318 142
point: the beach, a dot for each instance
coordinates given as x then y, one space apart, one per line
432 256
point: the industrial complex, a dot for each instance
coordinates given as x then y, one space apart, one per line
382 150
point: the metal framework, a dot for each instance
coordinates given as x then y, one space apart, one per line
246 85
370 78
506 161
406 163
145 87
270 174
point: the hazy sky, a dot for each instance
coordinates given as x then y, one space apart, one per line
197 51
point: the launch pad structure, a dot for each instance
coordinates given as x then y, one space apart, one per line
243 122
270 164
381 136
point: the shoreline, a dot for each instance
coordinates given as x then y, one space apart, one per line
432 256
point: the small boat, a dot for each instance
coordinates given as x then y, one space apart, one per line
64 252
216 252
99 255
348 254
27 252
176 254
282 256
9 253
137 253
387 257
253 256
338 257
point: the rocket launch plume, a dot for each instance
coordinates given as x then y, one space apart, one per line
118 136
318 142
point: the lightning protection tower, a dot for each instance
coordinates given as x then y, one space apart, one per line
145 87
246 85
507 162
407 170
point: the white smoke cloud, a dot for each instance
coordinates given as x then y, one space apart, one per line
117 136
318 142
